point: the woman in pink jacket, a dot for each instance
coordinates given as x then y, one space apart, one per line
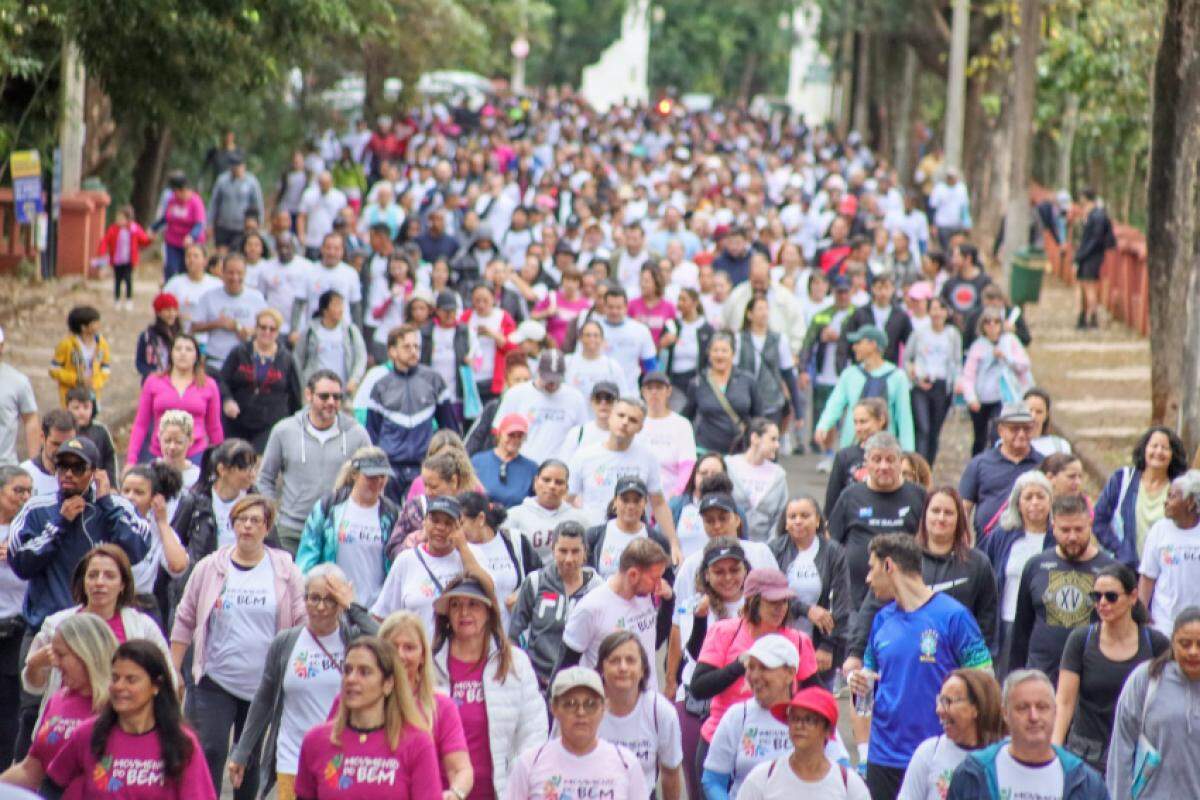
182 386
997 371
185 220
234 603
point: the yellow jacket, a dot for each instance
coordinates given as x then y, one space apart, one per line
68 366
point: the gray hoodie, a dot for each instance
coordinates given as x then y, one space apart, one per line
1172 724
298 469
540 615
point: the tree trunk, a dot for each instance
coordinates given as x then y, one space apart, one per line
1173 230
845 78
862 85
986 155
374 73
1016 218
746 84
1066 143
148 171
903 122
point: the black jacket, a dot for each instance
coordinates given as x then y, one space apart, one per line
715 430
1096 238
846 470
835 590
263 403
897 327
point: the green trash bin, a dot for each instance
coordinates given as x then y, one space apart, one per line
1028 269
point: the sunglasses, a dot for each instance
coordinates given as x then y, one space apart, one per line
75 467
325 397
1108 597
268 328
504 472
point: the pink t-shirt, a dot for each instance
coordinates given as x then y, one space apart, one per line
653 317
565 312
466 690
365 767
448 736
130 769
723 644
551 772
117 626
65 712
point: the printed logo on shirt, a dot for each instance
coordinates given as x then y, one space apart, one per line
111 775
343 772
464 692
308 665
1174 555
762 742
248 598
354 533
548 604
557 788
865 512
57 729
942 784
639 624
929 645
1066 598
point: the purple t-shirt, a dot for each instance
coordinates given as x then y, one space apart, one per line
466 691
130 769
366 767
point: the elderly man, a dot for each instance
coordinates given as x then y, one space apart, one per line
989 476
1026 764
319 207
871 376
884 503
786 315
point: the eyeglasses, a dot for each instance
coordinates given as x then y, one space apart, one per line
325 397
589 705
806 721
249 519
945 702
268 328
319 600
76 467
1108 597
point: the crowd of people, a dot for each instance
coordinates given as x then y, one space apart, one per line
455 475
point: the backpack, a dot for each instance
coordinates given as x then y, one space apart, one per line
876 385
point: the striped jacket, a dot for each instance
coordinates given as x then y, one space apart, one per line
402 410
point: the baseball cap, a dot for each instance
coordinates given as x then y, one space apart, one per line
770 584
630 483
869 332
773 651
513 422
576 678
921 290
372 466
422 294
444 505
812 698
718 500
81 447
840 283
528 331
657 376
446 299
605 388
164 300
1017 413
469 587
720 553
551 366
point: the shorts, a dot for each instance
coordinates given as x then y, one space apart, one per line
1088 270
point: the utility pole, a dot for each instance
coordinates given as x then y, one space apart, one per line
520 51
956 83
70 133
1016 220
903 124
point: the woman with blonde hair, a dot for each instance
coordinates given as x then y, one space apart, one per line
377 741
260 382
175 432
449 441
405 631
350 525
83 648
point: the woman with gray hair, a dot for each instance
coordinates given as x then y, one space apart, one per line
1170 568
997 367
1025 531
16 487
301 676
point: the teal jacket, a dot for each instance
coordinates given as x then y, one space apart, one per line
975 778
319 541
840 406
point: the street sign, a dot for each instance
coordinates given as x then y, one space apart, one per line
26 169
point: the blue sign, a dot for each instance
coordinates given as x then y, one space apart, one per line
27 198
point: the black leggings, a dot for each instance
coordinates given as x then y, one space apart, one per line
122 273
929 409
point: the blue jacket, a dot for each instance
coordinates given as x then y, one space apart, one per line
975 778
402 411
45 548
1115 523
999 544
319 541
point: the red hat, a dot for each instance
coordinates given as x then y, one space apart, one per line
164 301
814 699
848 205
513 422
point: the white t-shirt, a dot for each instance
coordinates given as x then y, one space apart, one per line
1017 781
584 373
828 376
43 483
415 581
614 543
320 211
672 440
550 772
494 558
281 284
686 355
651 732
341 278
931 768
242 309
579 437
442 359
595 471
1171 557
758 342
12 588
690 529
360 550
629 344
241 627
933 355
602 611
805 580
1022 550
221 509
757 553
748 735
949 204
145 572
483 361
550 416
188 293
755 481
310 683
331 350
537 523
781 783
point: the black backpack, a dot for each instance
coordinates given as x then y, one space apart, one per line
876 385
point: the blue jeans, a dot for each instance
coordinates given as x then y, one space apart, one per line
172 262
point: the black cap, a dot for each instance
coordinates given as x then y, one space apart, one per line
630 483
444 505
446 299
605 387
564 247
657 376
717 553
718 500
81 447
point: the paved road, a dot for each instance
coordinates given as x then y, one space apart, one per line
803 477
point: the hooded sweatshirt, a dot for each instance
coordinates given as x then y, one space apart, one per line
537 523
304 464
540 615
1171 723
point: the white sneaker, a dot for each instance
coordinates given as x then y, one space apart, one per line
825 465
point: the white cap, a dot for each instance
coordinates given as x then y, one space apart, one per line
528 331
774 650
574 678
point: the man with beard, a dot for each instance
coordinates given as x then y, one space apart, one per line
1054 595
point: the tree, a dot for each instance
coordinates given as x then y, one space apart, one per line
1017 218
1173 234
